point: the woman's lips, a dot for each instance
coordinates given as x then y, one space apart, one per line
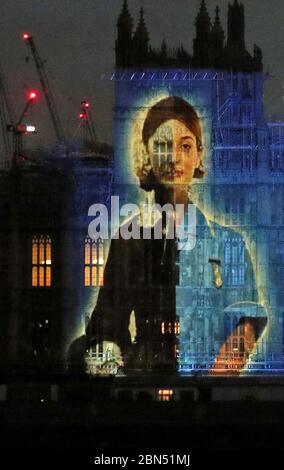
178 173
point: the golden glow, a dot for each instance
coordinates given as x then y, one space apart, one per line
94 276
170 327
41 254
94 260
101 276
87 276
101 253
177 328
165 394
94 253
87 252
41 261
132 326
35 253
48 252
41 276
48 276
34 276
234 353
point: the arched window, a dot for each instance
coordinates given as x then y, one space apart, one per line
235 335
94 263
41 261
234 261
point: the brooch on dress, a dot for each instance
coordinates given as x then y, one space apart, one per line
216 272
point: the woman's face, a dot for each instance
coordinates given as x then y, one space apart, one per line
173 153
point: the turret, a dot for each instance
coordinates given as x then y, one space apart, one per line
201 50
217 41
236 24
123 44
141 42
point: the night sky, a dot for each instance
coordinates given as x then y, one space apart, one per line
76 37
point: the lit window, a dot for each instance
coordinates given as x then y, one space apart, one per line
177 328
94 262
165 395
169 327
236 336
41 261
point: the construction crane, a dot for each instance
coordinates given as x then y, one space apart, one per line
7 117
86 123
87 131
43 78
18 130
13 146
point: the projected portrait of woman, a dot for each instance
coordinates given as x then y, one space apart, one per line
164 307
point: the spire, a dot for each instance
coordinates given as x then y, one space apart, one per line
236 24
141 41
141 31
217 40
123 44
202 39
217 17
203 18
124 20
217 29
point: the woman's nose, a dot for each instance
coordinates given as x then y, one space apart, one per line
176 157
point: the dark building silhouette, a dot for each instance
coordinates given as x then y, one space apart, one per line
43 208
210 49
123 50
217 41
141 40
201 51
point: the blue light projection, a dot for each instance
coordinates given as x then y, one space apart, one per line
229 291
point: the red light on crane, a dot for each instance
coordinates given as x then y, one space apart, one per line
32 95
82 116
85 104
26 36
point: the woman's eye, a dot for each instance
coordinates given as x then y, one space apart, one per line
186 147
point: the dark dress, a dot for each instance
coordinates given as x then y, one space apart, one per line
161 285
140 276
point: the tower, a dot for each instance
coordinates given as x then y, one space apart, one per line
236 25
141 42
123 44
201 50
217 41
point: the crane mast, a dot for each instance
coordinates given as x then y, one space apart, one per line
43 78
7 117
87 124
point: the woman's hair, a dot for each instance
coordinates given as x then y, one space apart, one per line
164 110
172 107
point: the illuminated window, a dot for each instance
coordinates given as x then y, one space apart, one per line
41 261
165 395
176 328
235 333
169 327
94 262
